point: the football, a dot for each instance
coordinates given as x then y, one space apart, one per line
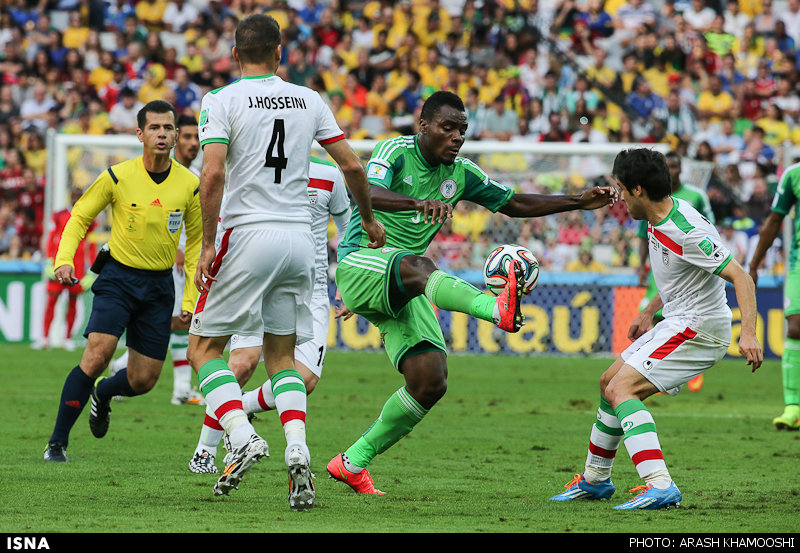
495 270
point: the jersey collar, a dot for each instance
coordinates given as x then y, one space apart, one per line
419 154
669 215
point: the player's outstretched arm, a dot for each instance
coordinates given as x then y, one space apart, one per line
745 290
433 211
770 230
356 179
538 205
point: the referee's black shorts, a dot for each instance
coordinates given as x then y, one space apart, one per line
137 301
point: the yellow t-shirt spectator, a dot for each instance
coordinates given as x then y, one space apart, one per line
75 37
775 131
719 104
151 13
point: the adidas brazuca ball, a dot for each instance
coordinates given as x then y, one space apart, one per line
495 270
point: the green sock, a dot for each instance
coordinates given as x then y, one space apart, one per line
399 416
790 367
451 293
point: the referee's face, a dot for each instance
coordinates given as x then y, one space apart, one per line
159 133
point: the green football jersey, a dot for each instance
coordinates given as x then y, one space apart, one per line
696 198
784 200
397 165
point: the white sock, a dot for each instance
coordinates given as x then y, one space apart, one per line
659 479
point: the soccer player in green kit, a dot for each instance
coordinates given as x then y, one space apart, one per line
415 182
785 199
698 200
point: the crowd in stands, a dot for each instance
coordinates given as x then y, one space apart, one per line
715 80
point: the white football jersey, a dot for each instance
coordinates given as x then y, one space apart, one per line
268 125
327 196
686 256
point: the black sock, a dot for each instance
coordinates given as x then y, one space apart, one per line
74 396
116 385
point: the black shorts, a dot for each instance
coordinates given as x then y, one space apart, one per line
137 302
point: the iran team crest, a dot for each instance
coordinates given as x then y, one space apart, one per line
448 188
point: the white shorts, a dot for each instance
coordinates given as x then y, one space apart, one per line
264 283
672 353
311 353
179 278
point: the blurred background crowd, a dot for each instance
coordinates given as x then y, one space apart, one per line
714 80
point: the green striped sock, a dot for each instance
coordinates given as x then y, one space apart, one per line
451 293
400 414
641 438
790 368
604 442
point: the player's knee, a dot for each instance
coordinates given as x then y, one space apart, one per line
311 383
793 327
415 271
243 370
142 383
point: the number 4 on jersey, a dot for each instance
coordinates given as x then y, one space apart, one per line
277 162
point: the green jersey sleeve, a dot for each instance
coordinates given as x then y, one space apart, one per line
481 189
785 196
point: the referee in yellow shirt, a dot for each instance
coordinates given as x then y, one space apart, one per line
150 198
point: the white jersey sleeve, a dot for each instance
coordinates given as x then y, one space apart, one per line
706 251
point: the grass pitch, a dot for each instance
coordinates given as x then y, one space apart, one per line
508 435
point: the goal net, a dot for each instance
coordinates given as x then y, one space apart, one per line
588 259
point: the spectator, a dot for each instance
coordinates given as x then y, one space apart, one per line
776 131
187 94
7 227
727 145
587 133
33 111
151 14
715 103
499 122
178 15
586 263
790 17
77 32
644 101
736 241
29 231
555 129
554 98
8 107
698 16
765 21
123 114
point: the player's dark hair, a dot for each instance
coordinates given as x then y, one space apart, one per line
646 168
156 106
257 37
438 99
186 121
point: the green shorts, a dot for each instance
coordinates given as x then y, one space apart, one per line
791 292
368 280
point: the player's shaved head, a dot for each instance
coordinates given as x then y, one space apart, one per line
257 37
437 100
